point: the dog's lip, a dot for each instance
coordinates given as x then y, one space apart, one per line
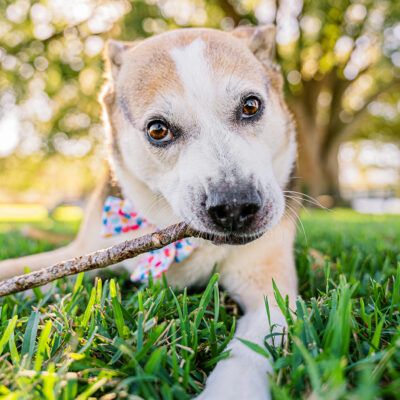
231 239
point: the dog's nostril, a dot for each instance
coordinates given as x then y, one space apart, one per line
248 210
221 212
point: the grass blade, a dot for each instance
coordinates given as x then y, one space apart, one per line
28 344
7 333
43 341
119 318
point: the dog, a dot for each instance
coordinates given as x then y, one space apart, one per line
199 131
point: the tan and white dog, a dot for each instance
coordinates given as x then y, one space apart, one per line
199 131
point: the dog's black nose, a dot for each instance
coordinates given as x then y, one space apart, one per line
233 210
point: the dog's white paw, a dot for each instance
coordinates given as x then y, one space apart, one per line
244 375
238 379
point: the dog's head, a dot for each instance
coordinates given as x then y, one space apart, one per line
198 121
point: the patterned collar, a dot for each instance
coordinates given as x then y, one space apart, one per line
120 216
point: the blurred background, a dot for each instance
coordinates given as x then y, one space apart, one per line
340 60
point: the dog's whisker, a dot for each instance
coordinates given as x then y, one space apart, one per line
298 201
300 221
290 216
307 198
302 199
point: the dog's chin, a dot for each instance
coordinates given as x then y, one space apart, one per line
231 239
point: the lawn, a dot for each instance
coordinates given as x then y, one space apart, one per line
110 339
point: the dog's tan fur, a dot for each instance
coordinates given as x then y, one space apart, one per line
139 73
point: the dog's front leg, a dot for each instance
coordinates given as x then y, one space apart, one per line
247 274
244 375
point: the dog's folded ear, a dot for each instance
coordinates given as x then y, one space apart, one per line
260 40
114 52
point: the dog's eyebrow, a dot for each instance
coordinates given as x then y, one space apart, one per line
125 109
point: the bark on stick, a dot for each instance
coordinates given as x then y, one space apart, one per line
98 259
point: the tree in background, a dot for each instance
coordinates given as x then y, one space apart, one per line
340 58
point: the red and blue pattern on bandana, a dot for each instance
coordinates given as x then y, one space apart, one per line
120 216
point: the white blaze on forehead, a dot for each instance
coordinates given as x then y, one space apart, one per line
203 84
192 67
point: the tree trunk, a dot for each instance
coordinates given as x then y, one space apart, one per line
318 172
330 163
319 143
310 170
318 169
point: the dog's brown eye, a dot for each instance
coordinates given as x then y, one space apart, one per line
250 106
159 131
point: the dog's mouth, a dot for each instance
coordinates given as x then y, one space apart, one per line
231 239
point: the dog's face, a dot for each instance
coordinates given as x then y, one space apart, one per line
198 117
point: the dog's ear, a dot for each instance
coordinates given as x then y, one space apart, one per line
260 40
113 55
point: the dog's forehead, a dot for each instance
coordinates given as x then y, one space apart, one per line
185 60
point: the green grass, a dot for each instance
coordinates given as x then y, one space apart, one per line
110 339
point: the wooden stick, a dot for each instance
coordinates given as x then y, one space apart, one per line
98 259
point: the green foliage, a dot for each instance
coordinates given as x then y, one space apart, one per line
318 47
86 339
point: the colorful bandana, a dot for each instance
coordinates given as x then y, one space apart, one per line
120 216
